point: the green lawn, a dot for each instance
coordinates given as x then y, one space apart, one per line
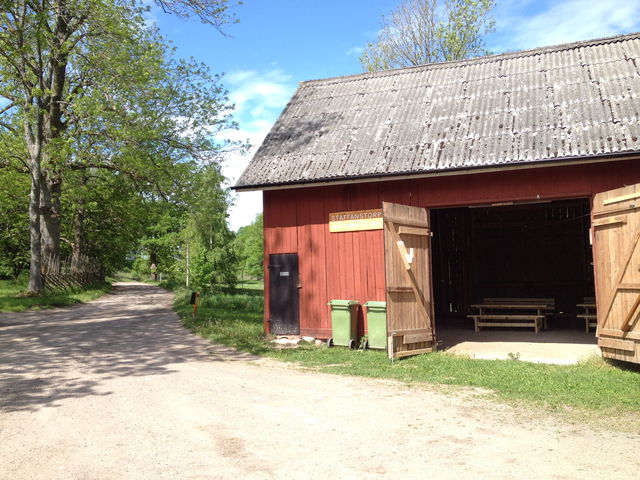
593 386
12 297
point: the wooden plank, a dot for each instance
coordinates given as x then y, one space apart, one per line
510 306
333 201
621 198
317 270
619 333
631 316
406 230
610 221
305 256
417 338
520 299
409 353
404 255
400 333
345 257
399 289
626 345
507 324
546 301
413 222
514 316
612 210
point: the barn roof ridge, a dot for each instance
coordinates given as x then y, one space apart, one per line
477 60
563 103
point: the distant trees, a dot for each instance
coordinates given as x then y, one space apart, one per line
103 123
14 224
418 32
249 241
212 260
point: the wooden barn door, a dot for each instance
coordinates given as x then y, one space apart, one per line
407 250
616 251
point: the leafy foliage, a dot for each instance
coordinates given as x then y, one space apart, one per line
426 31
213 260
250 246
110 130
14 229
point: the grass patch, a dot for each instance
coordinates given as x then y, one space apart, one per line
12 297
230 319
595 385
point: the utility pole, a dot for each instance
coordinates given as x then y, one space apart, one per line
187 264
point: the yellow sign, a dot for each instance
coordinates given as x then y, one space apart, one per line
355 221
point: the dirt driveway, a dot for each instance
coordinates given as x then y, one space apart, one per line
117 389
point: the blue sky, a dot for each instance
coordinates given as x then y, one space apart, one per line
279 43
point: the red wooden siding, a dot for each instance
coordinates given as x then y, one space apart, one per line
351 265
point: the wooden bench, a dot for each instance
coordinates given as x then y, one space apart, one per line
513 312
590 314
549 304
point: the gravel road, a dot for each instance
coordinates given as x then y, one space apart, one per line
117 389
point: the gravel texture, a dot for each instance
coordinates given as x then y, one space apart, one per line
118 389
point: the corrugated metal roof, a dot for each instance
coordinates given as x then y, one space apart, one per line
568 101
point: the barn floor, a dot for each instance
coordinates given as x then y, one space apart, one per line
559 346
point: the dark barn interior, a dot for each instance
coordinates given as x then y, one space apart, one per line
531 250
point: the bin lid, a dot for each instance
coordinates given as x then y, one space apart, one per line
376 304
343 303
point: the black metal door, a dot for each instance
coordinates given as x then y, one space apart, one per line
283 294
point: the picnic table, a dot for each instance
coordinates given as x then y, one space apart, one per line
589 315
507 312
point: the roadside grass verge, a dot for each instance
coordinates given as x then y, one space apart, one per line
593 386
12 297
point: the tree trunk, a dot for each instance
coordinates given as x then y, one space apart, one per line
34 145
78 233
35 267
50 209
53 127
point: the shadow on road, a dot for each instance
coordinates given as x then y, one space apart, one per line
48 356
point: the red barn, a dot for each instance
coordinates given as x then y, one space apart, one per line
435 187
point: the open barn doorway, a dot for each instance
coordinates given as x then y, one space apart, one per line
532 250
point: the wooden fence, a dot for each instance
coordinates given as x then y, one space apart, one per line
59 275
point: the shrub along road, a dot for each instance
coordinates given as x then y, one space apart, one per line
117 388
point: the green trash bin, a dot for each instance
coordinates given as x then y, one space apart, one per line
376 325
344 323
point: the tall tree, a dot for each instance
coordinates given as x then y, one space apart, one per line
89 86
38 44
418 32
213 258
249 241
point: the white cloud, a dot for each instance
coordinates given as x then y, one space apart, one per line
261 92
259 97
357 51
560 22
